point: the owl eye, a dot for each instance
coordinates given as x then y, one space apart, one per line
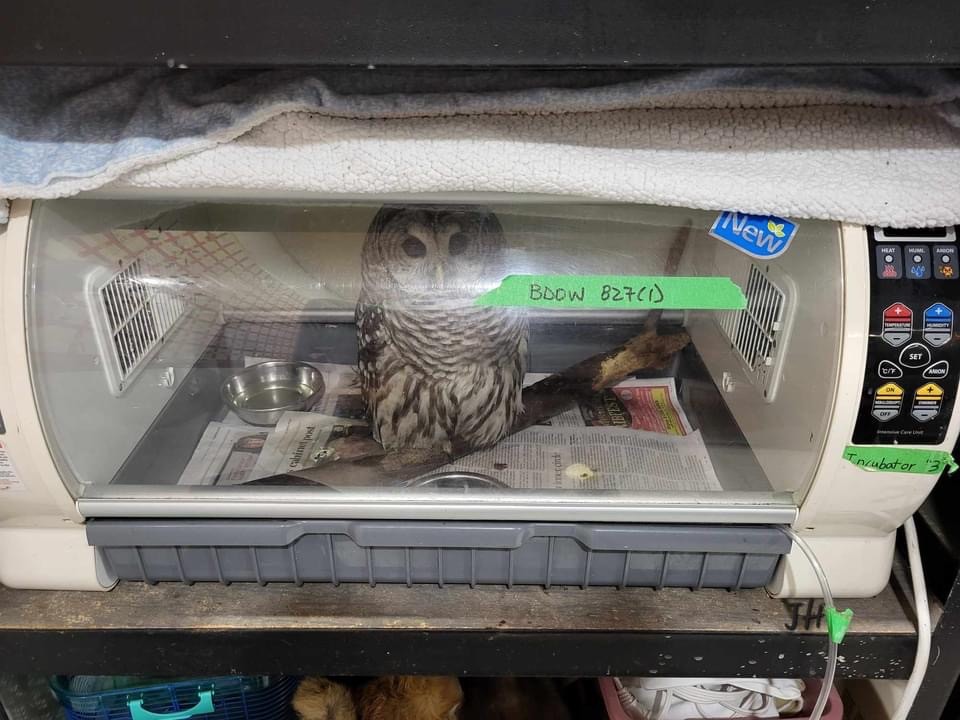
459 242
413 247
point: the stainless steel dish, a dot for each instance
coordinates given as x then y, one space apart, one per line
458 481
260 393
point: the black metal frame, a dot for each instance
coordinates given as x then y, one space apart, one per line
481 33
456 34
480 654
361 630
939 535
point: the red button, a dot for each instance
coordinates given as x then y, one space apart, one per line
897 311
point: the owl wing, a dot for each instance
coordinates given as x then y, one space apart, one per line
370 342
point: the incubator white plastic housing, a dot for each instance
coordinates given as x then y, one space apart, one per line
103 424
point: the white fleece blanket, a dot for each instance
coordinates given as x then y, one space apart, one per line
871 146
890 166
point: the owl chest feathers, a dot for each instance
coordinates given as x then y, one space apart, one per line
432 377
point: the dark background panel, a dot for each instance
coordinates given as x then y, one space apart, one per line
556 33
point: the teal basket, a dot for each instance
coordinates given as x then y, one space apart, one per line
216 698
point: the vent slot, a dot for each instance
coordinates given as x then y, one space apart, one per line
757 332
132 317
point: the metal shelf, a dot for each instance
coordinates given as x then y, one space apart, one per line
361 630
481 33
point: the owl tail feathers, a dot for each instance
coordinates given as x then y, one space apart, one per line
376 469
347 452
356 447
318 698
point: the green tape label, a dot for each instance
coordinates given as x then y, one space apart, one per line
897 459
615 292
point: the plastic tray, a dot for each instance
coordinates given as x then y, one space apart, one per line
439 553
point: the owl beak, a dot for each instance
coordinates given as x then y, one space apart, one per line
439 276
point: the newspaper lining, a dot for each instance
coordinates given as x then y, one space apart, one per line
595 458
633 436
300 440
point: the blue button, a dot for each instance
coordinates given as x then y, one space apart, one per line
938 312
938 325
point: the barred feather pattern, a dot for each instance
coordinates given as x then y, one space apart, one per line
434 369
434 377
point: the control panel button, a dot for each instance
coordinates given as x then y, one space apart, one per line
927 401
915 355
887 370
910 387
945 265
897 324
889 262
938 324
918 261
937 371
887 401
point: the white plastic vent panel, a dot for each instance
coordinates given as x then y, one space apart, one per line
758 333
132 313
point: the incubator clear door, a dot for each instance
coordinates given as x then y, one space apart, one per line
468 357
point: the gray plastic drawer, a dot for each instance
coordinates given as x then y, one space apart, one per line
439 553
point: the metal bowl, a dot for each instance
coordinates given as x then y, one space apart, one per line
457 480
261 393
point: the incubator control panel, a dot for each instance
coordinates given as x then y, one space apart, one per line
913 353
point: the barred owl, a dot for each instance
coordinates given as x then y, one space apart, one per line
435 370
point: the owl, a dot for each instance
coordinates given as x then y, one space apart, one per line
435 370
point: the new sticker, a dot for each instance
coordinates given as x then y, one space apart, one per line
760 236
